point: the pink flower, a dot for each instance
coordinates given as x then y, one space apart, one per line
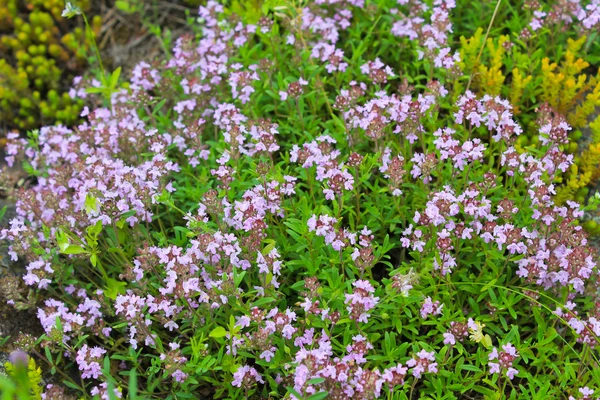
430 308
88 360
422 362
179 376
361 301
246 376
503 360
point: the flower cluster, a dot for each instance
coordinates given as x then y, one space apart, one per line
503 360
565 14
423 362
320 153
361 301
432 36
272 212
88 360
430 307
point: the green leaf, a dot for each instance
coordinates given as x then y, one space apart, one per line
62 240
264 300
95 229
132 384
467 367
94 90
487 341
489 285
72 249
158 106
2 212
110 390
238 277
218 332
485 391
124 6
114 288
114 78
318 396
48 354
92 205
184 395
71 385
269 247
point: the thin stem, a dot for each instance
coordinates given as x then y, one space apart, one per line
357 196
297 101
68 378
412 388
95 45
487 33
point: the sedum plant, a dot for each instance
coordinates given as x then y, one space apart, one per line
24 378
313 205
39 51
517 67
565 88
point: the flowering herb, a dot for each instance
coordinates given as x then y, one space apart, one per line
289 208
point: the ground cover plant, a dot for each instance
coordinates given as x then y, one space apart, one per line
326 199
38 50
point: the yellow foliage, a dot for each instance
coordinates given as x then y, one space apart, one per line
576 45
551 83
563 87
491 77
590 161
39 51
34 373
563 194
488 74
574 182
579 117
595 128
519 83
571 65
33 379
469 48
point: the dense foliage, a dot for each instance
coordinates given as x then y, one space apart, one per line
39 51
326 199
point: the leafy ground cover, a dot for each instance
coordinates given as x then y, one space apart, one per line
326 199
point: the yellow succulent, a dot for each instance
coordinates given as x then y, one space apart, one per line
519 84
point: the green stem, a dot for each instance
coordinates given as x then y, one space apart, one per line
94 44
487 33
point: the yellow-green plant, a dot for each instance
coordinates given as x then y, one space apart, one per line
583 173
41 51
567 89
487 75
522 73
533 79
25 381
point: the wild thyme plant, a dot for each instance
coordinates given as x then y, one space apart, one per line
310 205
